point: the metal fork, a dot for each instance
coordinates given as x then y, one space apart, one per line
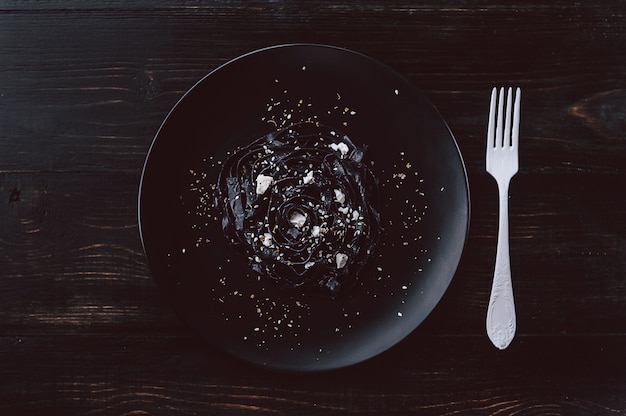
502 164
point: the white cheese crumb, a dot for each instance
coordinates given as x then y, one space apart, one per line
344 210
340 196
267 240
308 265
355 215
341 260
263 182
308 178
341 147
315 231
297 219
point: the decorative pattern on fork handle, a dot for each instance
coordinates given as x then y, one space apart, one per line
502 164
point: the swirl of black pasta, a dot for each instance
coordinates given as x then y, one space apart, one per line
303 257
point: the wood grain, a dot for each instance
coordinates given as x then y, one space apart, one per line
84 88
162 373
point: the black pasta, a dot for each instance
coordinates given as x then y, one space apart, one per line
302 206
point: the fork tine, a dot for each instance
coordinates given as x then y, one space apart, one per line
500 120
516 111
491 140
506 139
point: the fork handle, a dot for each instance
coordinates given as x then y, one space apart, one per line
501 310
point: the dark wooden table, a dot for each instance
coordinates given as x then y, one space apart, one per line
84 88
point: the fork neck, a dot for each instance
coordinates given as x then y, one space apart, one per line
503 216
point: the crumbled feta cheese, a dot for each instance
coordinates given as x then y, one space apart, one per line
340 147
315 231
340 196
297 219
263 182
355 215
308 265
308 178
267 239
341 260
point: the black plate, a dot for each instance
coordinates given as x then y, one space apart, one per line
423 186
